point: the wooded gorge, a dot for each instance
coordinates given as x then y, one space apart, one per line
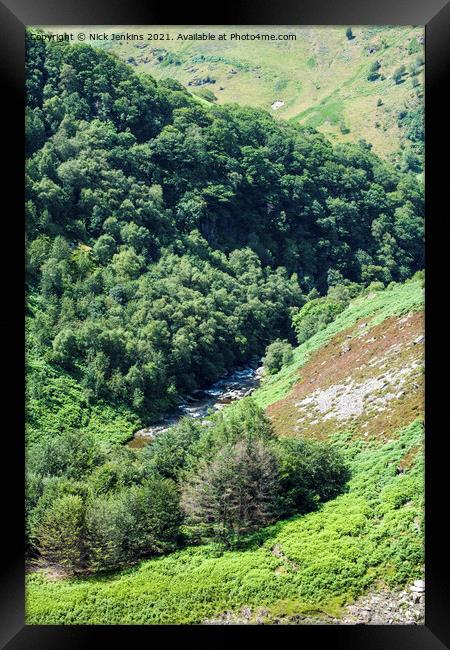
168 241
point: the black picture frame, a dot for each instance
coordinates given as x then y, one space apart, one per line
435 16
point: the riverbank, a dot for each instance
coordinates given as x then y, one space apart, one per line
233 386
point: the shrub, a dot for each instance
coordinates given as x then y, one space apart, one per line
41 494
154 517
64 348
419 275
136 522
398 74
315 316
105 246
373 74
169 451
33 492
72 454
233 494
206 93
119 471
59 534
414 46
278 354
310 472
344 292
375 286
106 528
244 421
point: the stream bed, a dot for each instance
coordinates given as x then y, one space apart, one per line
235 385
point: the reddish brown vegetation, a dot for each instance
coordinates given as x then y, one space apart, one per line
390 350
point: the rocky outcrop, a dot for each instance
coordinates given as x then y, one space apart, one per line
405 607
384 607
367 378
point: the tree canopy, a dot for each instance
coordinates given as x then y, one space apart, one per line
168 240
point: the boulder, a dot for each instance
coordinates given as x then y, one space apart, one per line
199 394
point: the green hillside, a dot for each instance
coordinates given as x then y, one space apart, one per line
168 242
172 241
310 565
321 77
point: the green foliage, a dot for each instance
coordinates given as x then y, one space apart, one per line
412 121
374 532
278 354
72 454
255 77
41 493
419 276
373 73
398 74
207 94
228 474
106 532
414 46
168 242
59 533
311 472
243 421
170 451
234 493
56 403
120 470
315 316
349 33
123 510
135 522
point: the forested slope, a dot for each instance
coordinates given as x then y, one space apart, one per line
308 568
167 242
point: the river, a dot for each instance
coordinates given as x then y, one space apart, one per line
232 386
